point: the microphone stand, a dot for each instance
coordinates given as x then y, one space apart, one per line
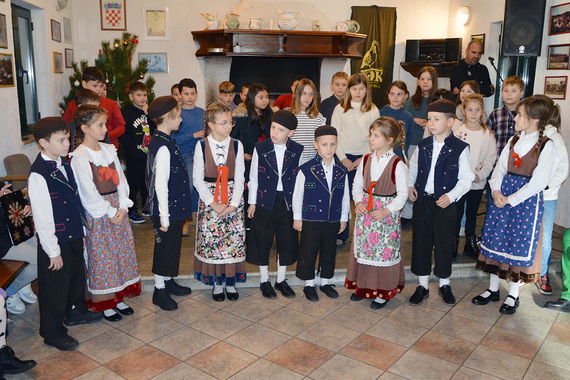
492 60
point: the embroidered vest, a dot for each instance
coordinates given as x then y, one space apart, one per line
386 184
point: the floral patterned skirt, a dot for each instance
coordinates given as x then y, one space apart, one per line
112 262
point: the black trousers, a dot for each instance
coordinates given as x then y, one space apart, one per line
317 238
472 199
136 179
59 290
433 230
166 257
269 223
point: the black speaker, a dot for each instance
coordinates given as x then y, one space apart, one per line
452 49
412 50
522 28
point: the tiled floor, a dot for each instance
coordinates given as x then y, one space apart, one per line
255 338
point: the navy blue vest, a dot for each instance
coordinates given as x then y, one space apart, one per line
446 167
268 172
179 201
68 213
320 205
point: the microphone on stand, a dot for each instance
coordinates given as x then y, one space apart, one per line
492 60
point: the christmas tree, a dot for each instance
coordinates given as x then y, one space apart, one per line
115 61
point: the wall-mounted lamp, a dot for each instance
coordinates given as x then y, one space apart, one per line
463 15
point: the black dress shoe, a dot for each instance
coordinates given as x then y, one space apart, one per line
471 247
65 343
233 296
128 311
377 305
493 297
162 299
176 289
267 290
446 295
285 289
81 318
419 296
115 317
354 297
508 309
218 297
329 290
560 304
11 364
311 293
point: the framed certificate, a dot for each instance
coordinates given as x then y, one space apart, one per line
155 23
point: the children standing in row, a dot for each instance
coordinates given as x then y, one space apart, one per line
84 96
375 266
283 102
397 93
339 83
417 105
112 266
219 178
271 184
226 94
304 106
511 245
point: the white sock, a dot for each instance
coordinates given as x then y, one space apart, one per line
494 282
324 281
513 291
281 269
109 312
444 281
263 273
166 278
218 289
310 283
122 306
424 281
159 281
379 300
231 289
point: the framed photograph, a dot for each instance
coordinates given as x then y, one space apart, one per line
113 15
157 62
559 19
155 23
3 32
68 58
555 87
6 70
479 37
57 62
558 57
55 31
67 36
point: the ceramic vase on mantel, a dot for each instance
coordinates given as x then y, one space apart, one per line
232 21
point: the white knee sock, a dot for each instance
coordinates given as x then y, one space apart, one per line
159 281
424 281
231 289
166 278
324 281
310 283
281 269
122 306
218 289
444 281
379 300
513 291
263 273
494 282
109 312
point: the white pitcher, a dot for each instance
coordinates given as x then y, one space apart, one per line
288 19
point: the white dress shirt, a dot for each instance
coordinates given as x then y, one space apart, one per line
253 183
161 178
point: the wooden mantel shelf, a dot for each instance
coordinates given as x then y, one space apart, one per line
443 69
278 43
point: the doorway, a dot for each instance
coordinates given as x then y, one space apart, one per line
25 72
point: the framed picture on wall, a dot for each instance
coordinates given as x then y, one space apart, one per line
57 62
68 58
157 62
555 87
55 31
113 14
6 70
558 56
559 22
67 36
3 32
155 23
479 37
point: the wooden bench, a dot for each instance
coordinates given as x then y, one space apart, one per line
9 270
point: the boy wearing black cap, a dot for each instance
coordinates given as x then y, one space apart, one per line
271 188
59 218
321 204
440 174
168 202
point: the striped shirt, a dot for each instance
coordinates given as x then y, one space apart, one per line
305 134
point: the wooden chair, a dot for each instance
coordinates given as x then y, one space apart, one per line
18 168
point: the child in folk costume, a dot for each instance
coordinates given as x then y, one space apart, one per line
375 267
511 246
220 231
112 265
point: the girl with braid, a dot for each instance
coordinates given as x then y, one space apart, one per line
511 247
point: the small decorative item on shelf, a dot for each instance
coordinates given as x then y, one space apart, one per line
237 48
353 26
255 22
316 27
213 21
288 19
232 21
341 26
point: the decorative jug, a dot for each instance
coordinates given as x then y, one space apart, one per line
232 21
341 26
255 22
288 19
353 26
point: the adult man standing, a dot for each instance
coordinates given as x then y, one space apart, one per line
470 69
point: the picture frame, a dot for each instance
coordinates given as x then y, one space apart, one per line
55 31
113 14
555 87
7 70
155 21
67 34
68 58
57 62
479 37
3 32
559 21
157 62
558 57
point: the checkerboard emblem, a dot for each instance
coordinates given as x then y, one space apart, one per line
113 13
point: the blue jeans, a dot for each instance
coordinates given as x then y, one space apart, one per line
547 226
189 162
